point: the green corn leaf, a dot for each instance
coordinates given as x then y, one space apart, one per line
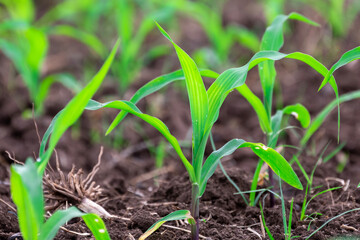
267 154
198 98
346 58
18 58
20 9
297 110
177 215
26 192
96 226
74 109
36 47
257 106
273 40
129 107
88 39
300 113
13 25
235 77
47 134
277 163
60 217
213 160
155 85
153 121
320 118
276 120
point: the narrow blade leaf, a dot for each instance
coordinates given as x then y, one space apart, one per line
269 155
74 108
177 215
96 226
346 58
60 217
155 85
300 113
273 40
235 77
198 97
26 192
258 106
129 107
320 118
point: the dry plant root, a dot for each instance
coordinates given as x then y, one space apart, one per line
74 189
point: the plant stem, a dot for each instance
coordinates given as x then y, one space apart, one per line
195 211
271 144
271 179
255 183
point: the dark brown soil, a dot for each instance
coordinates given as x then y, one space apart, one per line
140 197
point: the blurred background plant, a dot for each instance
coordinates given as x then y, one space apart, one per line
25 41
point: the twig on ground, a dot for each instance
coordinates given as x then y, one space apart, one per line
255 232
76 233
262 227
8 205
346 227
13 158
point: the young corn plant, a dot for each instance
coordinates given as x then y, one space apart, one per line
271 124
204 108
25 42
133 24
27 180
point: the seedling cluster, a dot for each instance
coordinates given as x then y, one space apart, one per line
46 199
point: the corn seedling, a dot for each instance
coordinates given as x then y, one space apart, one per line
287 223
25 42
271 125
27 180
133 24
127 67
204 108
